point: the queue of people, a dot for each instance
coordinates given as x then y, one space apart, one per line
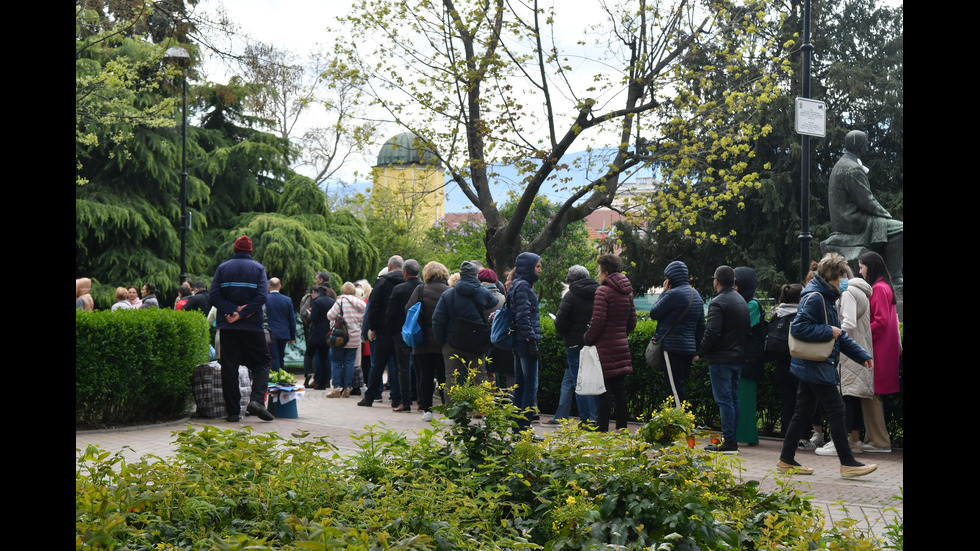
353 339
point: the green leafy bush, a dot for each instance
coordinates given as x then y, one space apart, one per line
470 485
134 366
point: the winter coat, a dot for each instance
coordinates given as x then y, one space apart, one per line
809 326
523 301
353 309
378 304
431 292
613 319
395 313
466 300
855 318
575 311
725 329
236 282
319 323
755 339
885 338
685 336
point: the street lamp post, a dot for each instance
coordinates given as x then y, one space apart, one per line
182 58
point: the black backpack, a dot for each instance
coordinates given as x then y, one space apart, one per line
777 337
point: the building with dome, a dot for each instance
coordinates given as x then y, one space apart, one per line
409 181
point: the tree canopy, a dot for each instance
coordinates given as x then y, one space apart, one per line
489 82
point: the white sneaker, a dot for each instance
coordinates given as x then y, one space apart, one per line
871 448
426 416
827 449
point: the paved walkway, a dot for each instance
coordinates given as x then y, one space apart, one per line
868 499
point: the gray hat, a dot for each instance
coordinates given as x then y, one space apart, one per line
468 269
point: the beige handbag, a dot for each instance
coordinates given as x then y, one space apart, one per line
813 351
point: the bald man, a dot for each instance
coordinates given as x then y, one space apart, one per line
282 322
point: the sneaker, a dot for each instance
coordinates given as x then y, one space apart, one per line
806 445
852 472
426 416
827 449
871 448
259 411
552 421
817 440
346 393
856 447
335 393
725 448
785 467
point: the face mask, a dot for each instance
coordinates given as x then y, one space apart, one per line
842 284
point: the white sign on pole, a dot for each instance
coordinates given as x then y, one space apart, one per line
811 117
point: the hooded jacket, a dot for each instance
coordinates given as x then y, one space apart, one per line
575 311
613 319
685 337
810 326
755 339
855 313
468 299
378 304
527 318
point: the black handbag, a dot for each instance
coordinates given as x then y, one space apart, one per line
339 335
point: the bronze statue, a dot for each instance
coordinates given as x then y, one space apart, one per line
857 221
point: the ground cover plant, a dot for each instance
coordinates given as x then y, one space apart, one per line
470 484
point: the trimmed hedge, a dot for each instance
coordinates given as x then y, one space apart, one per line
647 390
135 366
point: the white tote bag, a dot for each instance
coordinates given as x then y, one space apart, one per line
590 381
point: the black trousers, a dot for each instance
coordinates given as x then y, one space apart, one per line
246 348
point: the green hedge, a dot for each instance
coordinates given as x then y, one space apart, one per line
135 366
647 389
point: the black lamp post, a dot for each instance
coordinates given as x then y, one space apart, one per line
805 236
182 58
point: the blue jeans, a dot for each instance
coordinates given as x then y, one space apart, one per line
342 363
724 387
586 404
526 379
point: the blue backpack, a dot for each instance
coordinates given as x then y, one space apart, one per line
412 329
502 330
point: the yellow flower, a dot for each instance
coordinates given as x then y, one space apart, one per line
570 500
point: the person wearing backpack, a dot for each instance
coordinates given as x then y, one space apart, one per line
458 325
428 357
527 333
777 350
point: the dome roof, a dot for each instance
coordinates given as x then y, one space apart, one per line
401 150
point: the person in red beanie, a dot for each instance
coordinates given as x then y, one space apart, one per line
239 290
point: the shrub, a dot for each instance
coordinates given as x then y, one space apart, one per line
469 485
134 366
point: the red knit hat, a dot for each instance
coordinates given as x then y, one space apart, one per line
487 275
243 245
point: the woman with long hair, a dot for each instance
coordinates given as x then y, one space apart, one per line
887 344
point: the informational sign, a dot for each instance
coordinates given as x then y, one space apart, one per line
811 117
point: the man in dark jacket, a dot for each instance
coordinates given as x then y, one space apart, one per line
238 291
395 316
380 332
574 314
724 348
199 300
282 322
467 300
